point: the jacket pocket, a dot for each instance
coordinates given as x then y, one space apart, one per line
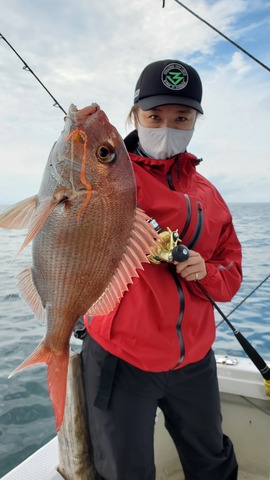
199 227
193 227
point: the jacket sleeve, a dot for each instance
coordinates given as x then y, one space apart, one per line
224 272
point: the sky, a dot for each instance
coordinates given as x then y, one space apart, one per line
94 51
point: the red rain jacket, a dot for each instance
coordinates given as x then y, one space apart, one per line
164 322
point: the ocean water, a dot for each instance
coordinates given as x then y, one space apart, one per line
26 417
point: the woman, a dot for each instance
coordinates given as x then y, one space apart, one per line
154 349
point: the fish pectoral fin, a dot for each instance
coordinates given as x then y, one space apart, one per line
19 215
141 240
30 294
39 218
57 376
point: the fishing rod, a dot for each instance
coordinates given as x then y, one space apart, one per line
28 69
221 34
180 254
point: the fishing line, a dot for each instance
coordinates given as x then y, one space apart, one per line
28 69
244 299
222 35
247 347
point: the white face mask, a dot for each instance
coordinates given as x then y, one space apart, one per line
164 142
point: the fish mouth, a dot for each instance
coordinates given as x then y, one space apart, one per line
81 116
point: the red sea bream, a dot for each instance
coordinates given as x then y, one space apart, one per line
88 237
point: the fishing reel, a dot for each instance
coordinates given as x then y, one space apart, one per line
169 248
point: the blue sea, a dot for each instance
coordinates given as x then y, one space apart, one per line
26 417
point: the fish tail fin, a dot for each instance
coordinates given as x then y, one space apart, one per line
41 354
56 375
57 382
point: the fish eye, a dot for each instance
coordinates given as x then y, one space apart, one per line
105 153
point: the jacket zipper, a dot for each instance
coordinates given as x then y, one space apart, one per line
191 245
177 281
180 316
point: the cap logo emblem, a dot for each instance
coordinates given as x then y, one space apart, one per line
174 76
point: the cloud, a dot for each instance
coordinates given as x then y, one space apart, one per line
242 189
94 51
233 136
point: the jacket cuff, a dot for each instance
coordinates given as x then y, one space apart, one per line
211 275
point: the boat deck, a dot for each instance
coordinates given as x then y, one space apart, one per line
43 466
246 419
168 464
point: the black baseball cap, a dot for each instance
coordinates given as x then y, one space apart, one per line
168 82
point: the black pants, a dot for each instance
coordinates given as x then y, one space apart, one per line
122 434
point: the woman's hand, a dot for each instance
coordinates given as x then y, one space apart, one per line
192 269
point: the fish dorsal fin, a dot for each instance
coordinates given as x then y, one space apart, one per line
19 215
30 294
39 217
141 239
